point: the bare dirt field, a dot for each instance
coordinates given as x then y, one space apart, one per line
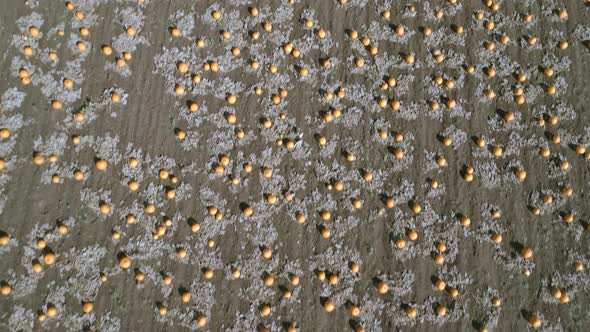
294 165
